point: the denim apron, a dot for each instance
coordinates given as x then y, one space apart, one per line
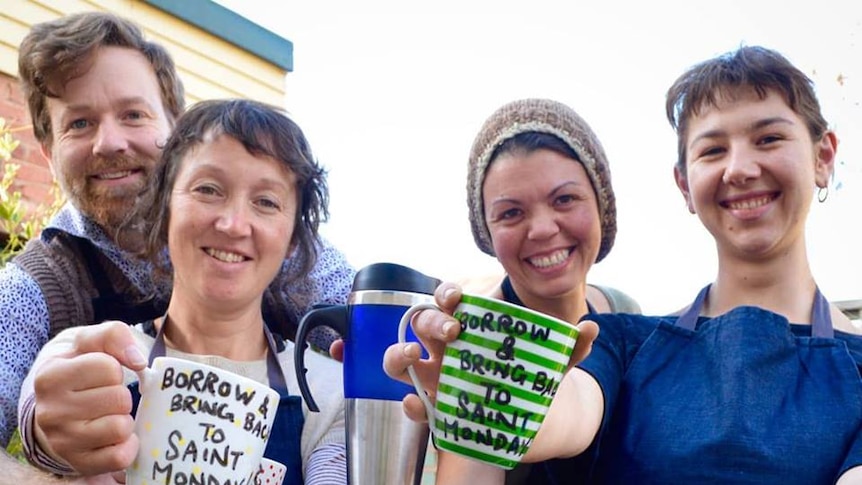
736 399
284 439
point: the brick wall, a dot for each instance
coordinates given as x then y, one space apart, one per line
34 179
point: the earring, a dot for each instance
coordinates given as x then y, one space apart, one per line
822 194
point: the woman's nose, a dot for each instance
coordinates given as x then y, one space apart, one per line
234 220
543 224
742 166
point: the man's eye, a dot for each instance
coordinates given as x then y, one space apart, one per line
712 151
78 124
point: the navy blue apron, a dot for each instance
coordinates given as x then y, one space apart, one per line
736 399
284 439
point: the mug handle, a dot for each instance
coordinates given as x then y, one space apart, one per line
333 316
145 377
402 338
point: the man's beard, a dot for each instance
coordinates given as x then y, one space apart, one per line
112 208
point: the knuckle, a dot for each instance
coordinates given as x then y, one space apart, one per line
123 427
43 385
48 420
425 320
119 400
110 459
108 370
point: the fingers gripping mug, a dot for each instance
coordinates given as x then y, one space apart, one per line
497 380
200 424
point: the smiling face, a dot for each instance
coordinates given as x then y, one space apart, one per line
231 220
752 171
543 218
107 127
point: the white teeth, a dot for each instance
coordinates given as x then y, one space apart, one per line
114 175
225 256
749 203
551 260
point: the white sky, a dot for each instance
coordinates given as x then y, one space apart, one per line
390 94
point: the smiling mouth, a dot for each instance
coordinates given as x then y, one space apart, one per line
748 204
225 256
550 260
113 175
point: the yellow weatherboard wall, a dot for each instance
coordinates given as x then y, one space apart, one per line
209 66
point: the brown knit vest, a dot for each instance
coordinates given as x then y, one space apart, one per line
65 268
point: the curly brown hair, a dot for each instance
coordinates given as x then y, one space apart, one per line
57 51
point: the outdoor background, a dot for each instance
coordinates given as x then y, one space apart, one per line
391 93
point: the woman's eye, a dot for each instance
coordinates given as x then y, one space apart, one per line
206 190
269 204
510 214
768 139
565 199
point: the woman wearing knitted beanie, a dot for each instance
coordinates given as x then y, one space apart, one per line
540 200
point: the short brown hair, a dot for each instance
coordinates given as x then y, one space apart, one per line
753 67
57 51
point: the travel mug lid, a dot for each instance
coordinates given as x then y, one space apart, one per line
393 277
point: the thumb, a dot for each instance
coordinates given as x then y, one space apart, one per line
588 330
114 338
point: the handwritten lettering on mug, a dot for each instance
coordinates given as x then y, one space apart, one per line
204 384
200 424
497 379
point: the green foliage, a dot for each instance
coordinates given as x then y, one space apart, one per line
17 224
16 448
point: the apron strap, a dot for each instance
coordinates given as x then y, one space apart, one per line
821 316
274 371
688 319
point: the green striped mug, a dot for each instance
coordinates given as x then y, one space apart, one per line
497 378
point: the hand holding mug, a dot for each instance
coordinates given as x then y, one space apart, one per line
82 405
497 379
435 327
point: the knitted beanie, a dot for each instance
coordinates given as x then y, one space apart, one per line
543 116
